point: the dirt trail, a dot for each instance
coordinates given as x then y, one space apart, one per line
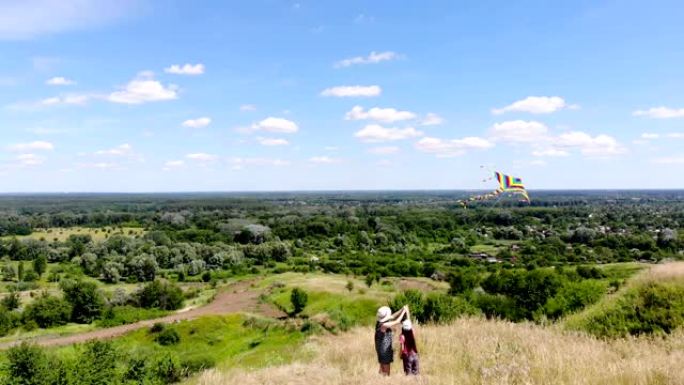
231 299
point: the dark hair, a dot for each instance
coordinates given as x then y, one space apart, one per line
409 340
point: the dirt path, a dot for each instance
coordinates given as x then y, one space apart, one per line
231 299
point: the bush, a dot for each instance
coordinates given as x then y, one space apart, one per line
122 315
86 300
574 296
416 301
441 308
47 311
160 294
206 276
652 308
97 364
11 301
157 327
167 368
298 298
168 336
27 365
196 364
463 281
8 321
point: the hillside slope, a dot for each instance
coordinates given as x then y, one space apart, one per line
477 351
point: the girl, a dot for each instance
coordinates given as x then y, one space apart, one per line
383 336
409 350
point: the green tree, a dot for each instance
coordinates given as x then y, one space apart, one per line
160 294
40 264
47 311
20 271
299 299
97 364
27 365
86 300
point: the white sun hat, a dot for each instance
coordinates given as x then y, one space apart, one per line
406 325
384 314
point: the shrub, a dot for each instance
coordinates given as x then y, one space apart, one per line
441 308
463 281
299 299
97 364
160 294
157 327
122 315
206 276
47 311
574 296
27 365
196 364
86 300
168 336
167 368
414 299
11 301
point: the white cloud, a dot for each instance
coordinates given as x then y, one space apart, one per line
372 58
186 69
519 131
197 123
661 113
272 141
647 135
352 91
447 148
144 89
30 159
384 150
248 107
376 133
27 19
32 146
174 163
201 157
240 163
669 160
385 115
432 119
323 160
60 81
535 105
550 152
676 135
331 148
277 125
66 100
120 150
600 145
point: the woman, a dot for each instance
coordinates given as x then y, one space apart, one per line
383 336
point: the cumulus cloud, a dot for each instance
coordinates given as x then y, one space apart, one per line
661 113
174 163
66 100
59 81
519 131
372 58
144 88
535 105
120 150
29 159
432 119
384 150
323 160
352 91
272 141
552 152
240 163
376 133
385 115
197 123
277 125
452 147
599 146
186 69
38 145
201 157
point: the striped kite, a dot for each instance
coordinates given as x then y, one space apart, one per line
507 184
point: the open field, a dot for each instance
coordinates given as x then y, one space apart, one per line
97 234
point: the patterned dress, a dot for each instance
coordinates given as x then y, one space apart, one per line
383 344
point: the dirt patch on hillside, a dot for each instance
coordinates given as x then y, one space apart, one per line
232 299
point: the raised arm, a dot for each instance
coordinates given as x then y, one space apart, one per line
396 319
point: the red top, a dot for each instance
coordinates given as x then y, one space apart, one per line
408 345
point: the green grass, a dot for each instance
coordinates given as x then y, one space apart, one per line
98 234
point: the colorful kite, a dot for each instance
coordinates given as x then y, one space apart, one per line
507 184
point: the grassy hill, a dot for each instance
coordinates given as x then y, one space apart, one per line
480 351
477 351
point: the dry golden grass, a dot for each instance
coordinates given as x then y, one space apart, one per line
665 272
477 351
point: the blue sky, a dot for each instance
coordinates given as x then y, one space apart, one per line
308 95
